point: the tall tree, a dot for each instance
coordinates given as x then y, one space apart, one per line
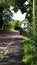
33 18
5 13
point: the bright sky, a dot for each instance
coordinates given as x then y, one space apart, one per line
19 16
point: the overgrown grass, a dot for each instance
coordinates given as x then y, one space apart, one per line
30 56
15 25
2 55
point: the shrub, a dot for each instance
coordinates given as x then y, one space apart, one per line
29 51
16 25
2 55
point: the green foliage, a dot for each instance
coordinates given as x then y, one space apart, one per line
7 27
5 13
15 3
20 6
35 39
1 16
30 55
16 24
2 55
29 12
29 46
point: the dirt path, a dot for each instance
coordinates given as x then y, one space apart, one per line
15 53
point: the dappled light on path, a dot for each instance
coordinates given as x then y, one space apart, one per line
14 52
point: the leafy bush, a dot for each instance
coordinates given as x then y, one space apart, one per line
15 24
2 55
29 51
7 26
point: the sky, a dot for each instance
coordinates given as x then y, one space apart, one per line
19 16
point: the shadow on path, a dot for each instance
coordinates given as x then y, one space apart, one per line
15 52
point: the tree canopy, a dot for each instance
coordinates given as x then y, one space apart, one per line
16 4
5 13
5 9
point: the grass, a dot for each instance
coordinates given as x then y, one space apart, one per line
29 52
2 55
11 30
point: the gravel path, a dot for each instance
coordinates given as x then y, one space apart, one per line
14 53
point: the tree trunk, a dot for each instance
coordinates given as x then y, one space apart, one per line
33 18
